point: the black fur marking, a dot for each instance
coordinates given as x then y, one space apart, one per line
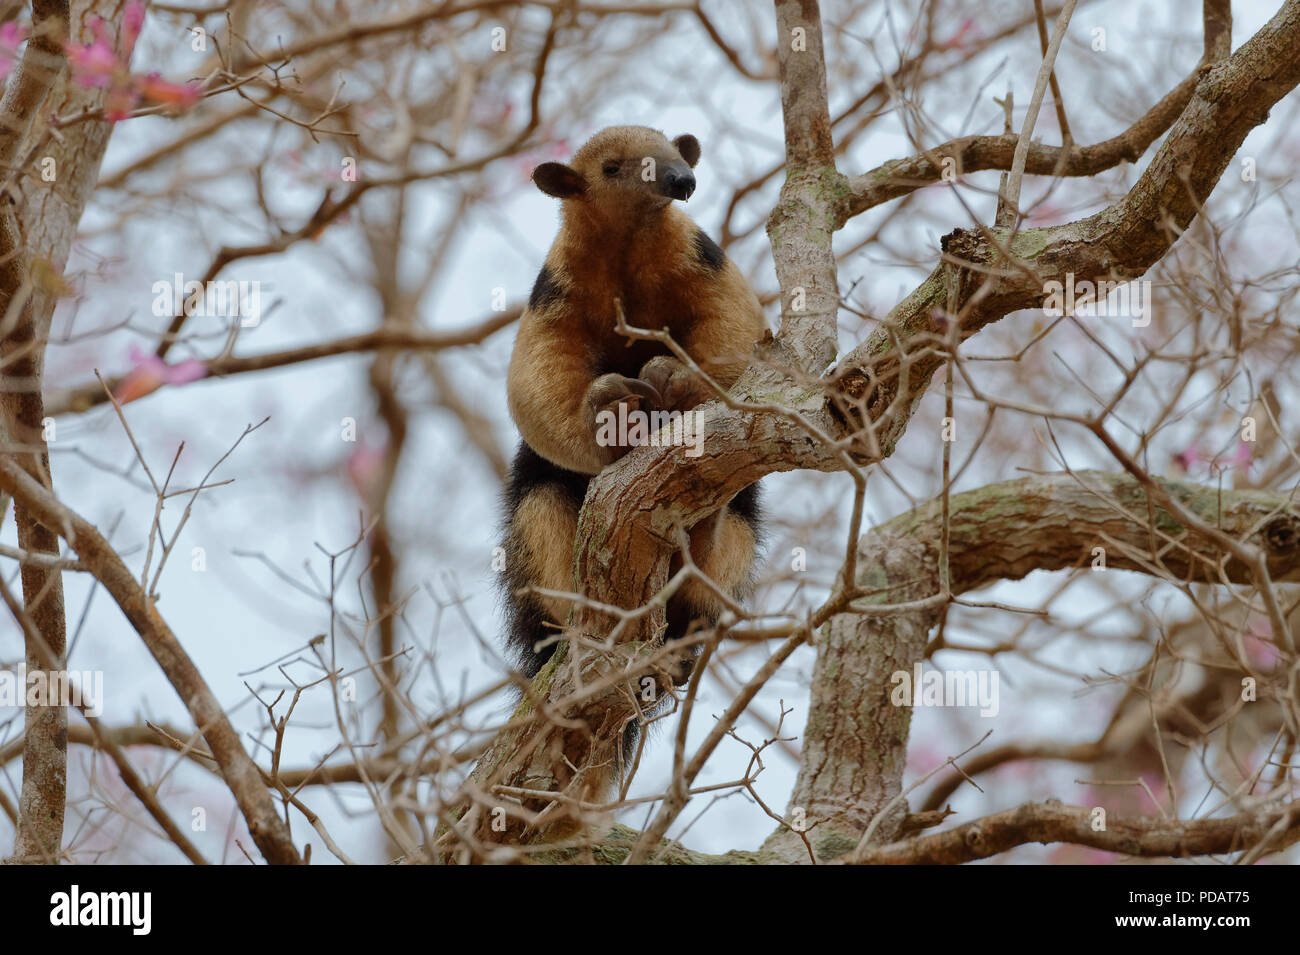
546 290
530 470
525 617
749 505
708 252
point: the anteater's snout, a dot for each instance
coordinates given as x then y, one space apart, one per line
679 184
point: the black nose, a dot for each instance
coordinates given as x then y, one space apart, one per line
679 185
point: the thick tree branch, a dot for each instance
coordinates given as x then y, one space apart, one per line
1271 829
1045 823
1217 15
898 177
886 375
802 223
40 827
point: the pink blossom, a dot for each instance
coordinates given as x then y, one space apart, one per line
1261 651
1262 654
154 89
1187 457
924 758
94 65
1080 855
104 64
132 23
11 37
963 37
150 373
365 467
1240 458
119 103
1155 788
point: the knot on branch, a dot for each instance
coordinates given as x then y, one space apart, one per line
624 667
861 394
1282 535
962 244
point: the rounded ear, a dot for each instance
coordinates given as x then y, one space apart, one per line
689 147
558 180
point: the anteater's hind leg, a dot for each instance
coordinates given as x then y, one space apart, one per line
725 548
542 502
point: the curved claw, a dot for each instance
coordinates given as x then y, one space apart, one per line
643 389
610 392
678 387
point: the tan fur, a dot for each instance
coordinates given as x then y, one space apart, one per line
723 548
544 517
620 244
621 240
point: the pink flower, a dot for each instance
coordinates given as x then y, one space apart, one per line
11 38
365 467
101 65
154 89
94 65
151 373
1080 855
968 33
1240 458
132 24
119 103
12 35
1261 651
1187 457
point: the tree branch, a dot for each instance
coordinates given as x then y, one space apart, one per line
1051 821
42 802
242 776
898 177
1217 15
855 744
86 396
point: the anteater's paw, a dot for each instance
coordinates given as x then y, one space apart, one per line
680 388
609 401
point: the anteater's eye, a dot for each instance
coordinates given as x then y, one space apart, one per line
610 168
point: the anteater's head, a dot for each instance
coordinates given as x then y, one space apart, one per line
631 168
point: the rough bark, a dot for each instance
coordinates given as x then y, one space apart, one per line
1144 837
1272 828
27 309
